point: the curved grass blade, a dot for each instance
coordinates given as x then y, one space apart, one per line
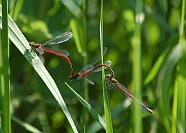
16 8
88 107
154 71
164 80
23 45
27 126
76 29
179 106
73 7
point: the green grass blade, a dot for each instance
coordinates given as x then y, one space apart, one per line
179 99
181 32
22 44
108 119
88 107
27 126
5 74
179 95
178 110
74 25
181 102
164 80
16 9
154 71
85 60
73 7
80 37
136 81
174 108
136 66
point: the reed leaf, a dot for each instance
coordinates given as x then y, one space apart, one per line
22 44
107 113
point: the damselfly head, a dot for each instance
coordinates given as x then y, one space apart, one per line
35 45
31 43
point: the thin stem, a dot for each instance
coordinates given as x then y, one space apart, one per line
85 58
178 110
5 75
136 61
107 113
181 34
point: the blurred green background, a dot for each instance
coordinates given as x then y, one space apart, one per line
45 19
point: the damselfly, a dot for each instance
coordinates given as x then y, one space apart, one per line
91 68
41 47
123 90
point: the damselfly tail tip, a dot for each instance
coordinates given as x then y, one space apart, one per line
150 110
147 109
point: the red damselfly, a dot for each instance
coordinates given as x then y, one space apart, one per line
41 47
80 75
109 78
91 68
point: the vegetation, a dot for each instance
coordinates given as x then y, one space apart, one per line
145 42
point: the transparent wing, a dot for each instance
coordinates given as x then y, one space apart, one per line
87 67
90 66
42 58
64 52
39 50
59 39
106 62
97 57
127 93
89 81
109 84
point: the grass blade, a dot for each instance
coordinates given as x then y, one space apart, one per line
73 7
77 34
16 8
27 126
179 98
22 44
136 66
154 71
164 80
80 37
5 71
108 119
178 111
88 107
85 60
